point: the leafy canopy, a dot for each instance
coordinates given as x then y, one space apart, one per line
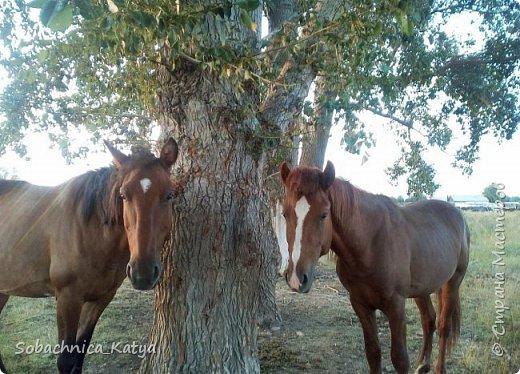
93 64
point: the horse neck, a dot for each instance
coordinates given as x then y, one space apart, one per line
93 193
353 219
89 197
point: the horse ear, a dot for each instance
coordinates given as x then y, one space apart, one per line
284 171
119 157
169 153
328 176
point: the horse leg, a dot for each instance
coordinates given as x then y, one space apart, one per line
90 313
449 319
68 309
397 321
367 317
424 303
3 301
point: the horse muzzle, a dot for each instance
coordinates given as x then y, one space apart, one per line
143 277
300 283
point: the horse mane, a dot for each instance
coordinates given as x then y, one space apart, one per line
344 197
97 191
7 185
305 180
347 199
93 193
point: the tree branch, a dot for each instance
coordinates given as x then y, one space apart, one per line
407 124
456 8
461 61
283 104
133 115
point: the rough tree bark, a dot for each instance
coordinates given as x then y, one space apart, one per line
222 248
220 266
317 131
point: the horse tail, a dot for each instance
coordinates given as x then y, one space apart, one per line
453 291
455 325
438 297
449 320
448 298
466 245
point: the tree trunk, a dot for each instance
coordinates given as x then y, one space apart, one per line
317 132
222 257
220 266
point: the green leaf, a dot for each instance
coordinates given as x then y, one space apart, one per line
47 11
62 20
37 3
30 76
57 15
246 19
248 5
142 18
405 23
42 56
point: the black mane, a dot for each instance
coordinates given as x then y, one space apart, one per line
94 193
7 185
97 191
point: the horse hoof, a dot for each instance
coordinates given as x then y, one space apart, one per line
425 368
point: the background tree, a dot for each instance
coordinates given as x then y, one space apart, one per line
7 174
420 80
232 99
490 193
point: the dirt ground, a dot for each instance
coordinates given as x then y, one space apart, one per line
321 333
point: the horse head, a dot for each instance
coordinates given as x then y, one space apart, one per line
309 227
145 191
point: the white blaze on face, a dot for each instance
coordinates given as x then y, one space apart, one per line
301 210
146 184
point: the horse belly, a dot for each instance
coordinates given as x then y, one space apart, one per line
24 263
430 274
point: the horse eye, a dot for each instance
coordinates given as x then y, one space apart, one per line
323 216
122 196
169 195
284 215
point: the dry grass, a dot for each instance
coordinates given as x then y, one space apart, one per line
320 331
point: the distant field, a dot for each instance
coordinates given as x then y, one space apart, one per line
320 331
483 294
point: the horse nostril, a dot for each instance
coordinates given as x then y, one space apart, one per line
286 274
156 272
129 271
305 279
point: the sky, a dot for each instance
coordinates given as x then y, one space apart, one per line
497 163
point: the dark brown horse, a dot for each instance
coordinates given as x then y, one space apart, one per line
385 254
79 240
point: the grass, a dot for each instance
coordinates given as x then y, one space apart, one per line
31 321
481 299
128 319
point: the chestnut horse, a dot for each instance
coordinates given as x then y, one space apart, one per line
79 240
385 254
